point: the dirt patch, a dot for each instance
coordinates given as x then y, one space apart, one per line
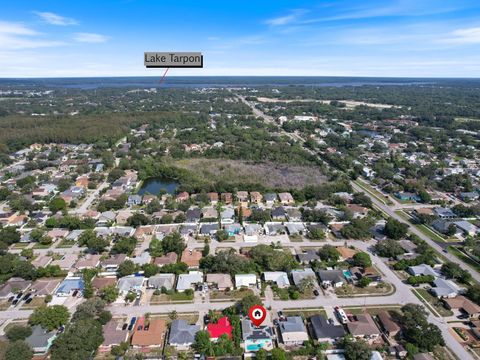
269 174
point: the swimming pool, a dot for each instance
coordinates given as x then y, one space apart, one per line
347 274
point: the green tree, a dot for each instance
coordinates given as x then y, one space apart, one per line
328 253
18 350
395 229
247 302
57 204
9 235
316 234
127 267
109 293
278 354
261 354
173 243
222 235
362 259
79 341
120 350
50 318
389 248
18 332
356 349
364 282
138 219
203 344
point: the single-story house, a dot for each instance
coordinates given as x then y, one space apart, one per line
189 281
113 262
44 287
182 334
444 213
278 277
168 258
256 337
220 281
130 283
333 278
148 333
323 331
422 269
191 257
293 331
465 305
99 283
161 280
41 340
13 286
390 327
299 275
307 256
113 335
222 327
466 227
445 288
364 327
245 280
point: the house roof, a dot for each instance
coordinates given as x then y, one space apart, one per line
162 280
113 333
185 281
222 280
127 283
13 284
221 327
150 335
292 324
182 332
444 287
40 337
461 302
334 276
422 269
279 277
102 282
363 326
168 258
308 255
387 322
250 332
299 275
116 259
191 257
323 329
245 279
45 286
345 252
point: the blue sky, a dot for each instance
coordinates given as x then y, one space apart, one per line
424 38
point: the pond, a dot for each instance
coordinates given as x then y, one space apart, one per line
154 185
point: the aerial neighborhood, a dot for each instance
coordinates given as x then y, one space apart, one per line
358 236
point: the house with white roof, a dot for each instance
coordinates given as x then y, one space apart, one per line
189 281
278 277
445 288
422 269
299 275
245 280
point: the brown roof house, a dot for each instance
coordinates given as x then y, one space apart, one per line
357 211
364 328
256 197
227 198
390 327
220 281
44 287
191 257
100 283
89 261
345 252
169 258
286 198
113 335
463 304
149 333
13 286
213 197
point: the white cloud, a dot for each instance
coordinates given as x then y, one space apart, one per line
55 19
90 37
464 36
14 36
287 19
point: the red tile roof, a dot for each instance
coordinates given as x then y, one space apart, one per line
222 327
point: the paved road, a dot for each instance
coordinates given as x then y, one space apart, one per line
413 229
89 200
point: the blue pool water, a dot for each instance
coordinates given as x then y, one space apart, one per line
347 274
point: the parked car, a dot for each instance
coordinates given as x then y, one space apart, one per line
315 292
75 293
10 299
124 326
28 301
15 302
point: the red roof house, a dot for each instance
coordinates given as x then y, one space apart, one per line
221 327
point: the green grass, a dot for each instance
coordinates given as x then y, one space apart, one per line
42 246
430 233
305 313
464 257
65 244
375 193
372 310
432 302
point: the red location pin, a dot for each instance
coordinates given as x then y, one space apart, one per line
257 314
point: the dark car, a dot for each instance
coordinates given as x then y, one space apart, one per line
28 301
75 293
26 297
124 327
10 299
206 319
19 295
15 302
316 293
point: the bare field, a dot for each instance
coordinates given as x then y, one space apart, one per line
266 173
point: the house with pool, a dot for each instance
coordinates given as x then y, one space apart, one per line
256 338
